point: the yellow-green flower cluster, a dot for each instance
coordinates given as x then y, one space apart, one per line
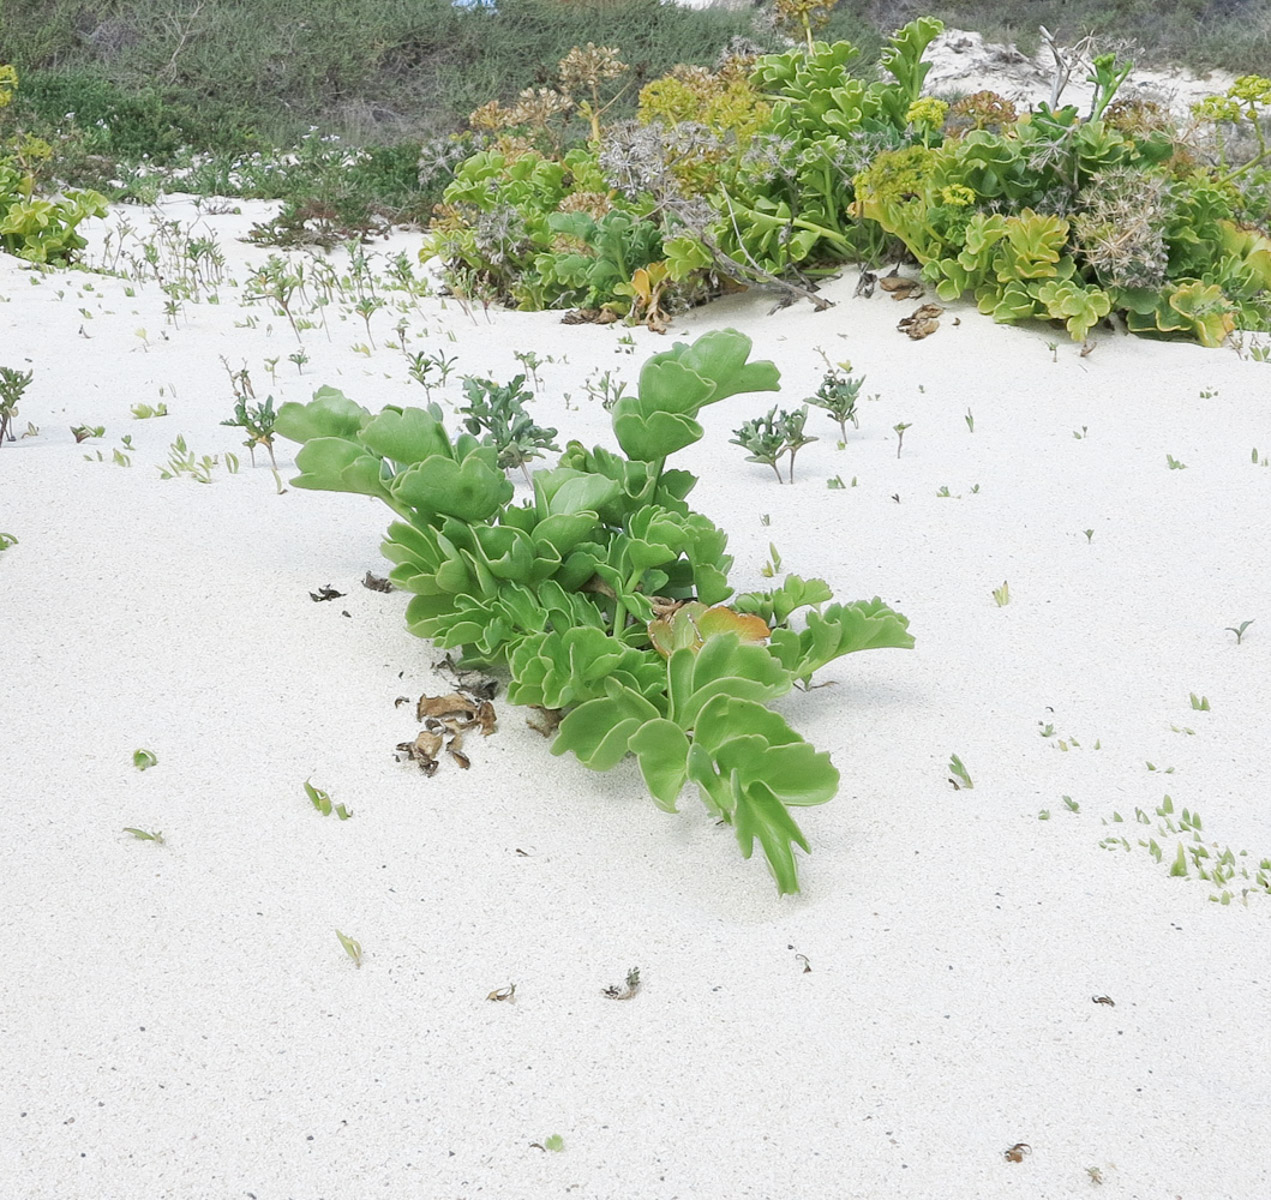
8 83
1240 100
927 113
957 196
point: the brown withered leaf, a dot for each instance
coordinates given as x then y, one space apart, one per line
589 316
865 283
1016 1152
444 706
400 701
503 993
485 718
922 322
326 592
544 720
376 583
423 750
899 287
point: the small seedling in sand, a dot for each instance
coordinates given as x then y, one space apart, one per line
82 433
145 835
1239 630
836 483
531 362
963 776
7 540
770 437
1208 393
1070 804
837 395
257 421
182 461
1096 1176
1081 435
554 1143
497 411
321 800
1089 535
1044 815
1259 462
772 567
1053 347
1002 595
765 519
143 760
970 421
944 493
1174 464
12 384
351 947
900 435
1200 703
631 986
143 412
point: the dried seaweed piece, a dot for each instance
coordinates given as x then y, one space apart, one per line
1104 1000
376 583
327 592
632 985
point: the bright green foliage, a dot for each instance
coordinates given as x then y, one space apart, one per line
1142 235
33 227
604 594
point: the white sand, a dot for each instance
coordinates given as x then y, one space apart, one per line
180 1021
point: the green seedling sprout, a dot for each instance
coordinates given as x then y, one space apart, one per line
1070 804
1044 815
838 394
900 435
143 412
769 438
1089 535
1200 703
496 412
321 800
145 835
1239 630
1002 595
12 384
143 760
352 948
1174 464
7 540
963 780
970 421
82 433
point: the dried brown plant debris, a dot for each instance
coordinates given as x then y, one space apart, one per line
922 322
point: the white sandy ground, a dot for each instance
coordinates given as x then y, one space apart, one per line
180 1021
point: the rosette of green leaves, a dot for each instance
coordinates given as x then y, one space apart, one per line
677 384
597 257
